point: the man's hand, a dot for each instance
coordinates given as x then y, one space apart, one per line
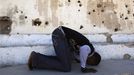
88 70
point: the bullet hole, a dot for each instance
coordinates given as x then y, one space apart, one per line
116 29
126 18
99 5
18 33
89 13
21 11
79 10
79 1
17 11
36 22
5 25
94 25
80 5
115 12
133 15
69 0
126 6
25 17
102 21
93 10
120 16
128 12
102 10
81 27
46 23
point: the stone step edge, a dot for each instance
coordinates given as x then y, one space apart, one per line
19 55
30 40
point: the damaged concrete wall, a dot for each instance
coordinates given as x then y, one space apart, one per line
86 16
108 24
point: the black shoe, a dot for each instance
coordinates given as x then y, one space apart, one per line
30 61
88 70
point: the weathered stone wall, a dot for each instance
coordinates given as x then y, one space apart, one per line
86 16
26 26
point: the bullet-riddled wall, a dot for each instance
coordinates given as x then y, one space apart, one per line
86 16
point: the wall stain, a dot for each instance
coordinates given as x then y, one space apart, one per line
22 19
43 7
54 8
61 23
12 11
109 39
103 13
18 16
5 25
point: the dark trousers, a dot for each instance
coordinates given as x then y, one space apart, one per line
62 60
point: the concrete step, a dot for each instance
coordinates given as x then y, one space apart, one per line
41 39
19 55
15 49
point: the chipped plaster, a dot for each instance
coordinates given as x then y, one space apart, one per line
94 16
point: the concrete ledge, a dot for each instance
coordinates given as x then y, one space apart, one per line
123 38
15 49
19 55
30 40
24 40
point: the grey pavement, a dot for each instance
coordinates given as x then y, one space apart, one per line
106 67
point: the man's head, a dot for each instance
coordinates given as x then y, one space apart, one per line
94 59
